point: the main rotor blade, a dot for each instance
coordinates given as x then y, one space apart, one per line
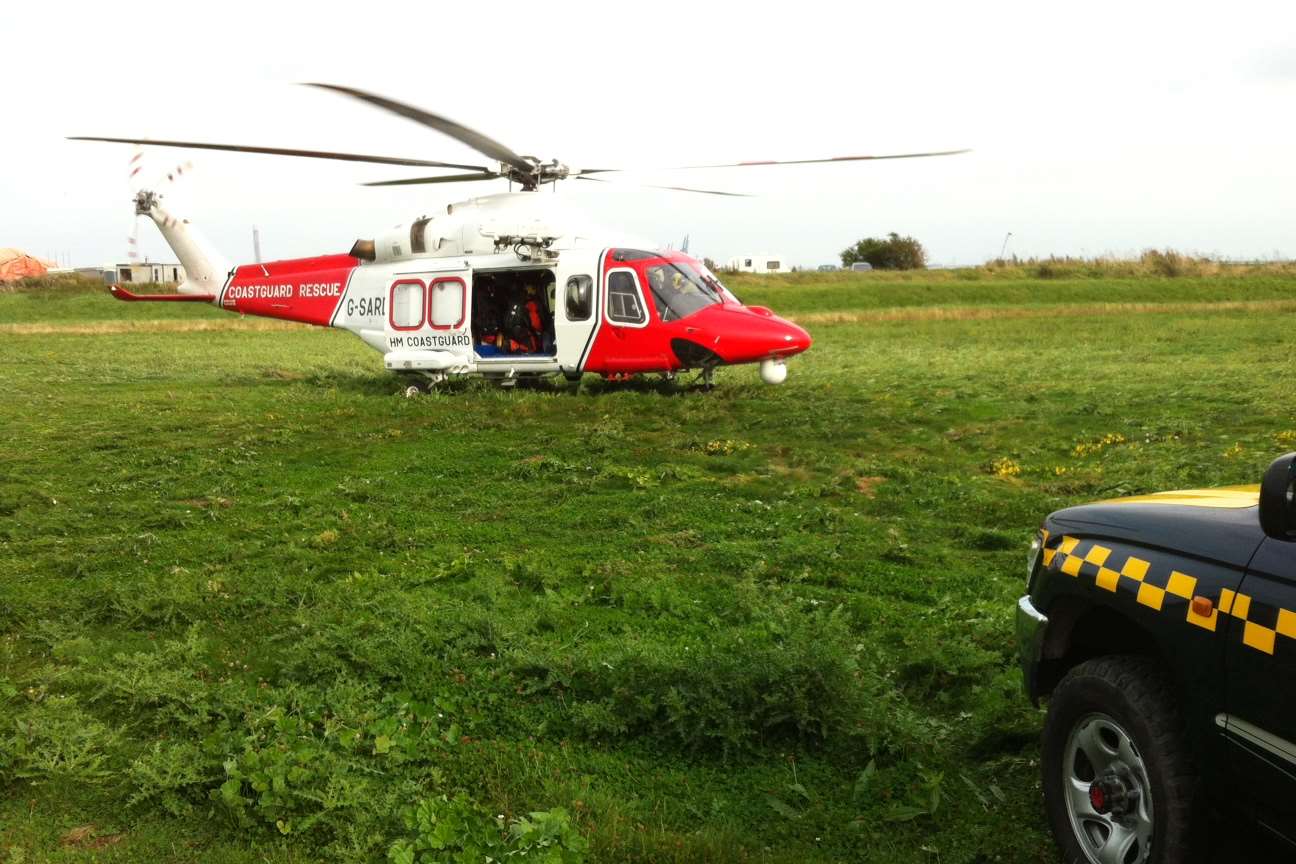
445 178
672 188
283 151
474 139
794 161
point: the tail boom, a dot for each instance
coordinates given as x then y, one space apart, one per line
205 269
308 290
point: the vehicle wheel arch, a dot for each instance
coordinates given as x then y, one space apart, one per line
1080 630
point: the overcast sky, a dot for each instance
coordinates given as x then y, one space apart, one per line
1096 128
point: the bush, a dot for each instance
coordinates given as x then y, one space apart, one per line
56 283
893 253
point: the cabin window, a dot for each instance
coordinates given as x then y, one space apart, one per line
624 305
579 298
407 304
446 307
418 243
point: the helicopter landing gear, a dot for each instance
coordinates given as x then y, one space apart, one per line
708 379
424 383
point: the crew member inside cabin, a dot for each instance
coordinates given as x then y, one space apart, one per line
511 314
486 320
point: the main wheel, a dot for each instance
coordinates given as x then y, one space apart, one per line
1119 783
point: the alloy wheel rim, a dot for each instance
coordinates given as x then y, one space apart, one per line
1100 748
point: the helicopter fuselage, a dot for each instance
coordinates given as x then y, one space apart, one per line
504 286
603 308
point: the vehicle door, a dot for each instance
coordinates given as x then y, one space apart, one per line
428 311
576 311
1259 721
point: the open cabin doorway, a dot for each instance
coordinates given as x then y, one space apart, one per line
512 313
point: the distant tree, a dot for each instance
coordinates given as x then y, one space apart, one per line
710 265
893 253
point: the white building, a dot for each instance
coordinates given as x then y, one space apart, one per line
759 264
135 273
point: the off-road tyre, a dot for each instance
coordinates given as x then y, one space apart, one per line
1136 693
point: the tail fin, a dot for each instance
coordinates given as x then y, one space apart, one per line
205 269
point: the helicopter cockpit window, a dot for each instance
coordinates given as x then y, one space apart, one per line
579 298
633 255
623 303
679 290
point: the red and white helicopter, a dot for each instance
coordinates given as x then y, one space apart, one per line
505 286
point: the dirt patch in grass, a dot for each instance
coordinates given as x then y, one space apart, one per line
867 486
85 837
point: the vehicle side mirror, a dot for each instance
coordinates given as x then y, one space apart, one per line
1277 514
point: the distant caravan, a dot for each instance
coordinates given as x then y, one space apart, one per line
504 286
759 264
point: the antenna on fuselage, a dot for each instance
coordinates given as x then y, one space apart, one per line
256 245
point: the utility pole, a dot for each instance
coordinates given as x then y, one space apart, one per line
1004 248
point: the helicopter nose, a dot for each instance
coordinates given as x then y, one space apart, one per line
746 334
781 339
795 340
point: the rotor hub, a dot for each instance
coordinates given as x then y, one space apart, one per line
145 201
537 174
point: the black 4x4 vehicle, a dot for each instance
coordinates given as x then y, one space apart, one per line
1163 629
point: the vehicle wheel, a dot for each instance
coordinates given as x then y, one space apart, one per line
1119 783
412 390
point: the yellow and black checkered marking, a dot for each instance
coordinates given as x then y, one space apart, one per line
1262 624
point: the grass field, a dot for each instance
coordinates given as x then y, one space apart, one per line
255 605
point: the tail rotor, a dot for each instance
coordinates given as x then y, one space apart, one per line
136 188
145 193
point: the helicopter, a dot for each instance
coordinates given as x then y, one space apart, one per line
509 286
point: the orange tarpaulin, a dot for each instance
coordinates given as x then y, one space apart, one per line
16 264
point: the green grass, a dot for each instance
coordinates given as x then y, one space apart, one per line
254 604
